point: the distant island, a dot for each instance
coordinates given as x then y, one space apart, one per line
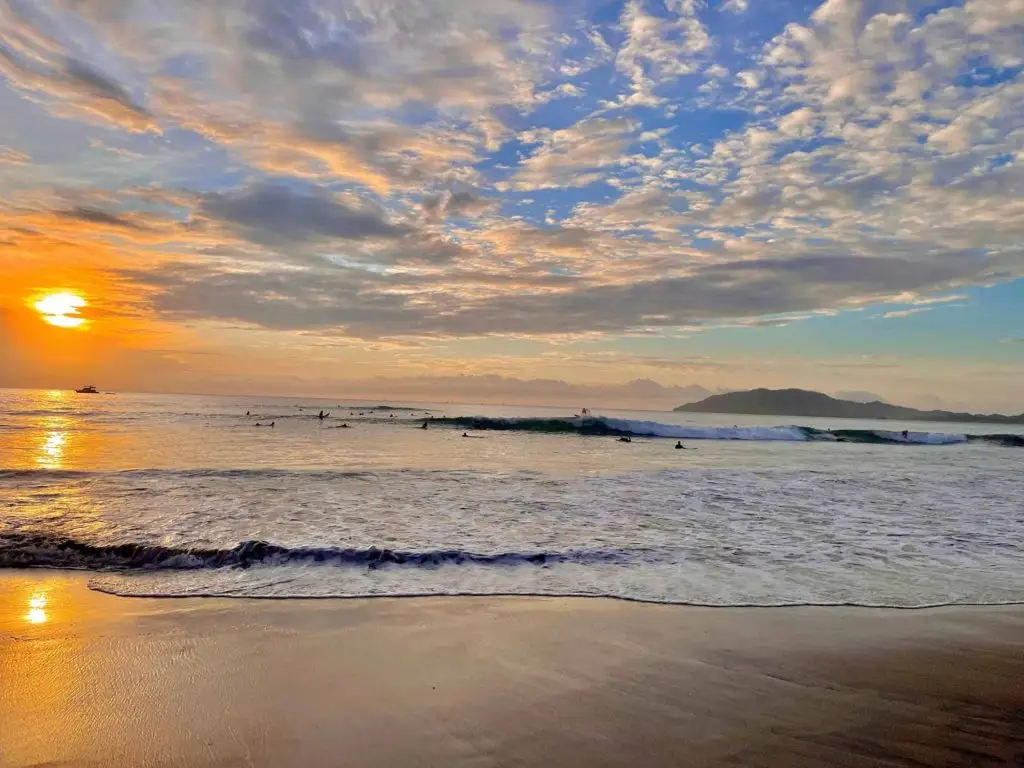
801 402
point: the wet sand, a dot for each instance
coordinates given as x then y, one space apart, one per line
92 680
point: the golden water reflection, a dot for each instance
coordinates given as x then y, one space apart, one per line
36 609
51 452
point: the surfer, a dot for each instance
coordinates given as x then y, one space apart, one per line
906 434
679 445
625 440
246 413
425 425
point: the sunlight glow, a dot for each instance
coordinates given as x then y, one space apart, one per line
51 451
37 609
61 309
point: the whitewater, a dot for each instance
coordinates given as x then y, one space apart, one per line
182 495
634 428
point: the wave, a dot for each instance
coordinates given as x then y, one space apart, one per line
68 412
20 550
266 473
1008 441
599 425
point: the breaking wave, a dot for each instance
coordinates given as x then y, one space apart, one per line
20 550
630 428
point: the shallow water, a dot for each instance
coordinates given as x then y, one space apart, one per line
159 495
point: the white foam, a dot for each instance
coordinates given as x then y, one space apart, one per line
685 432
923 438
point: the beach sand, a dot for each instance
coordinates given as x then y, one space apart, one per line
88 679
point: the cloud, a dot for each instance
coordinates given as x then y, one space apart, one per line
462 203
658 50
374 305
575 156
10 156
98 216
736 6
451 169
268 213
892 314
35 61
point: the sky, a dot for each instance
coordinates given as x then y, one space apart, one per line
632 201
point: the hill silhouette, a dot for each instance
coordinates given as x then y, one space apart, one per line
802 402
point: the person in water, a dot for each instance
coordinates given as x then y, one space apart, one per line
425 425
625 440
679 445
906 434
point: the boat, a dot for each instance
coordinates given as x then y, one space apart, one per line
88 390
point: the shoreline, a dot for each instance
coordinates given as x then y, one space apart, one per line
404 596
90 679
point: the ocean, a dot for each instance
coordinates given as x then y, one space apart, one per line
174 495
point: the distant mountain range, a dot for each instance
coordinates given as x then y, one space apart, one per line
801 402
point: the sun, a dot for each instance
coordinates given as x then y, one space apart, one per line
61 309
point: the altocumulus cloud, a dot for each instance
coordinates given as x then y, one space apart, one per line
451 168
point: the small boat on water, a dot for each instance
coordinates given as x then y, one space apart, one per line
88 390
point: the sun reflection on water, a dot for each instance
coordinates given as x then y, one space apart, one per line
36 609
51 451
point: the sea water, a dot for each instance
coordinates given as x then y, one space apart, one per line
185 495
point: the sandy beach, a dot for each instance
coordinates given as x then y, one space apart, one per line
88 679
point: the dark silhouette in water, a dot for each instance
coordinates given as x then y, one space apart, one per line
906 434
801 402
625 440
257 424
247 413
425 425
679 445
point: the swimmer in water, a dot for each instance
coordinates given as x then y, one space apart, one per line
679 445
906 434
425 426
625 440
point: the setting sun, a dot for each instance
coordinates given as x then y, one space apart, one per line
61 309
